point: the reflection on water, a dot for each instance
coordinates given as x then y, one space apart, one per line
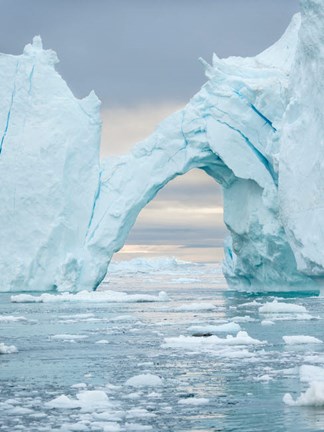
229 388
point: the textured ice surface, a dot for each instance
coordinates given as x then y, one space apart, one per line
255 127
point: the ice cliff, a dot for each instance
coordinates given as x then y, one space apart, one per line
255 127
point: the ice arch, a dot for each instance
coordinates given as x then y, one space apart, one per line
63 216
230 130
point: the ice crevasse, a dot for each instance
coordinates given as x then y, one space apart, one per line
255 127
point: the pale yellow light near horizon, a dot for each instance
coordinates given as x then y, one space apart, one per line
122 129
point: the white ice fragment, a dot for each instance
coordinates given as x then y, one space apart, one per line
243 319
7 349
196 401
91 296
194 343
87 401
195 307
68 337
266 322
12 318
281 307
313 396
202 330
301 339
144 380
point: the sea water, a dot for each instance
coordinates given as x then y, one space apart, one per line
198 358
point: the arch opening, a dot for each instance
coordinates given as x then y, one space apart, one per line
184 220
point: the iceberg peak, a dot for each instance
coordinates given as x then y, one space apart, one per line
35 50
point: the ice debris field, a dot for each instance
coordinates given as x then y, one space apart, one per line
201 357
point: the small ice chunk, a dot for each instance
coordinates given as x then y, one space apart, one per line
102 341
194 343
208 330
313 396
253 303
144 380
266 322
265 378
68 337
243 319
62 402
195 307
11 318
79 385
87 401
7 349
193 401
281 307
301 339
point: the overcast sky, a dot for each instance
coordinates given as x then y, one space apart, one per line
134 51
140 57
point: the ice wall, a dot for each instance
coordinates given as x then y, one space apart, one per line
49 168
63 217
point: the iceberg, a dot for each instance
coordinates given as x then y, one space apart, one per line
254 127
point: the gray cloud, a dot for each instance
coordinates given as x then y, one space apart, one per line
133 51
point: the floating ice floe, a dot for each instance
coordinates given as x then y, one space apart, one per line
196 401
91 296
282 311
301 339
205 330
266 322
12 318
7 349
276 307
87 401
192 307
194 343
144 380
68 337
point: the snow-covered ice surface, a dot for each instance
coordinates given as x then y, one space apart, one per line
128 366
